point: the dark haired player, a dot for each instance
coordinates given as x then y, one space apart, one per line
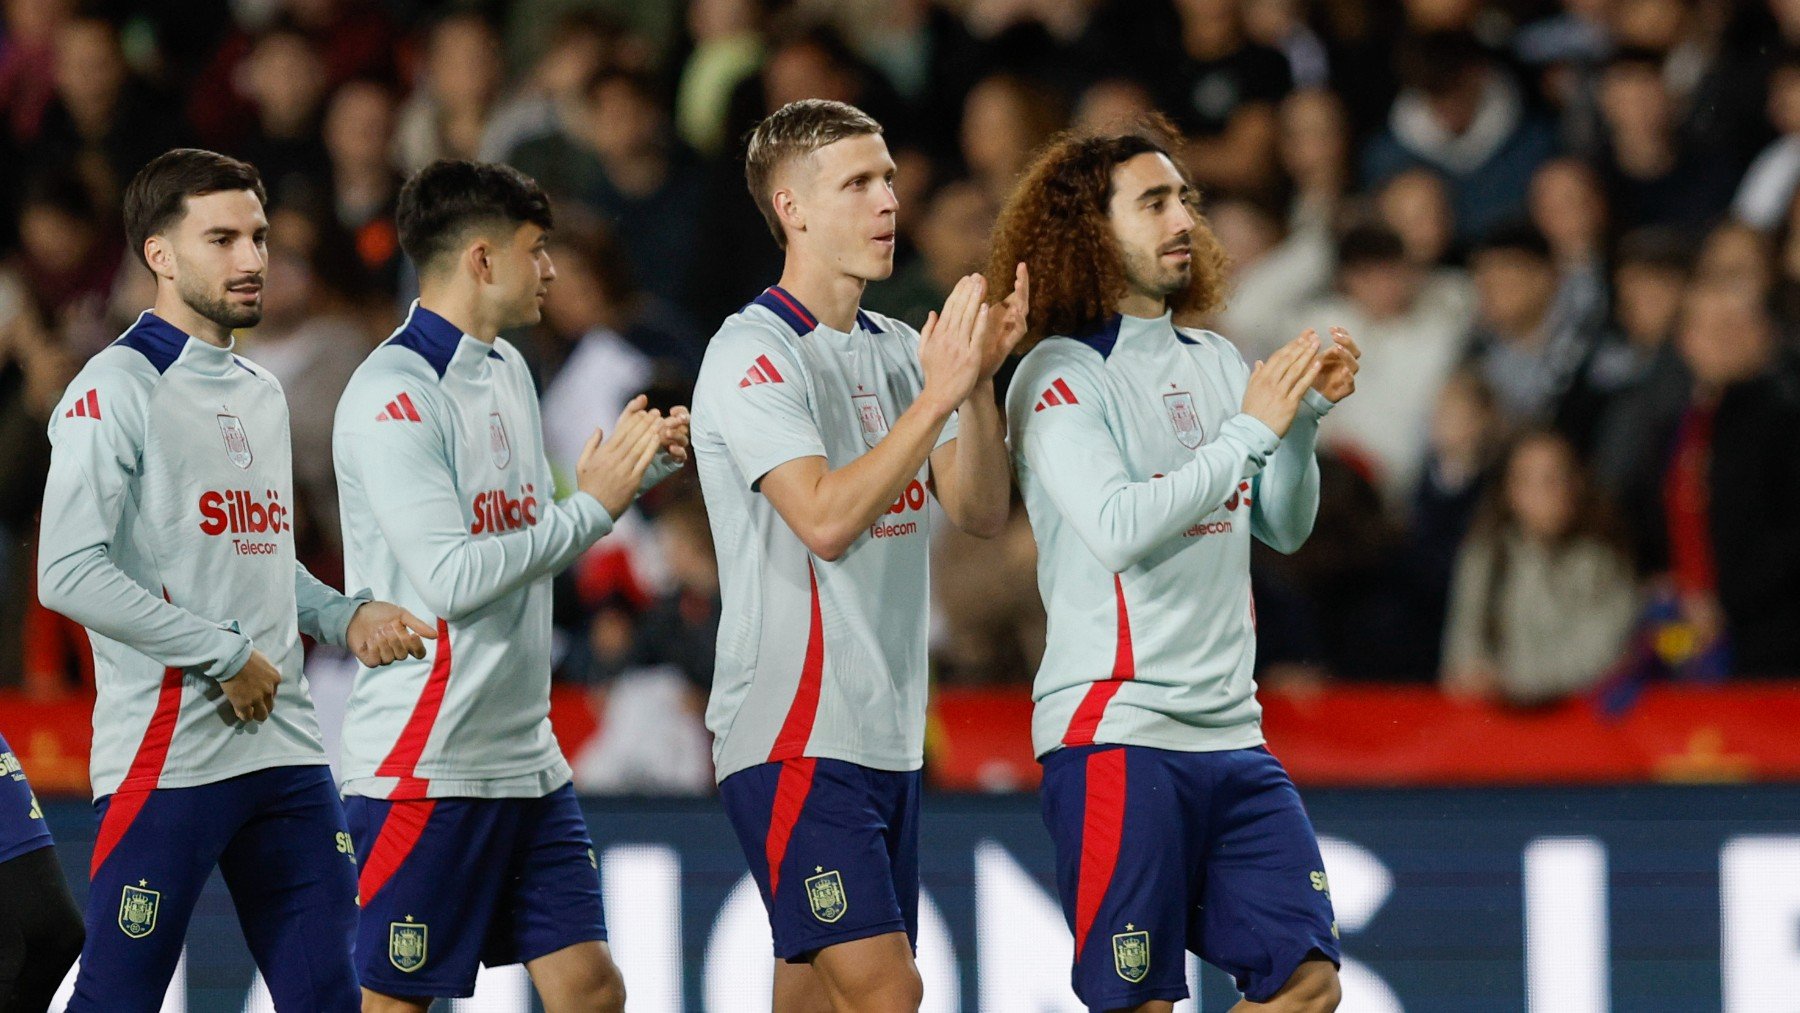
1149 454
474 848
167 533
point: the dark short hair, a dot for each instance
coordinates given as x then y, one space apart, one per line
1369 245
1656 247
442 202
1516 237
157 196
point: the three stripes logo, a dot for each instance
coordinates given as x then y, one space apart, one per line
761 371
400 409
88 407
1058 393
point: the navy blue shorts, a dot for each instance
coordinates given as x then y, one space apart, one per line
22 827
834 847
451 882
278 838
1159 852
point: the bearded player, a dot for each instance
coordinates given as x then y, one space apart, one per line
1149 454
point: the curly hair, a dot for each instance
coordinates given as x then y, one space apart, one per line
1055 222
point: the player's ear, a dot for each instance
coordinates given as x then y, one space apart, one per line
787 209
478 260
160 256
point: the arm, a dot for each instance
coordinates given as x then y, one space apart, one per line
1286 498
324 613
93 464
972 476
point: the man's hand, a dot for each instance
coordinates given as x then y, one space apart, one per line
1338 366
674 436
1276 386
1006 324
381 633
950 350
611 467
252 690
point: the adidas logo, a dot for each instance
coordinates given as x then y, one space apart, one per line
400 409
1057 393
86 408
762 371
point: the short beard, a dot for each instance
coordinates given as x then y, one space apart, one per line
1147 276
218 310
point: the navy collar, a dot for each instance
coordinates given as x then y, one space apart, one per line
1103 336
155 339
792 312
433 337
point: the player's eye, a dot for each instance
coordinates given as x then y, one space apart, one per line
1156 206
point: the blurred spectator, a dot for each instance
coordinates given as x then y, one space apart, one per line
352 39
1413 326
952 240
1461 115
1223 95
1527 347
312 338
365 187
1416 205
1314 149
1464 430
1634 383
1005 119
1543 599
1568 207
1110 103
985 592
1281 25
67 260
459 85
728 49
1768 188
624 164
554 93
599 371
1653 177
284 80
104 121
1731 494
1735 252
28 61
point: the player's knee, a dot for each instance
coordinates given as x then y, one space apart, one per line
375 1002
1313 988
609 992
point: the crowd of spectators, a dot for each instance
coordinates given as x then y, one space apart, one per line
1566 237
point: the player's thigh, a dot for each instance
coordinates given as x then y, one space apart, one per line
291 870
552 901
580 978
798 989
162 844
428 890
874 974
816 834
1118 818
1267 903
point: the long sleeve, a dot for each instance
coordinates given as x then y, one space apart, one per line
324 612
1073 453
406 472
94 462
1286 498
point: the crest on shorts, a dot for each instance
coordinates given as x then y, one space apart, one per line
237 442
498 444
868 412
825 892
406 944
1131 955
137 910
1185 418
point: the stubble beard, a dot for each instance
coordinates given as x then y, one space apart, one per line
219 310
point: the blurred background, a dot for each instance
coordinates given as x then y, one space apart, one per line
1558 548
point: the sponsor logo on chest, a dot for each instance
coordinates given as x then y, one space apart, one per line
1185 418
870 416
497 510
237 441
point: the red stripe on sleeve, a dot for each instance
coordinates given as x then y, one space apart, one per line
1051 399
93 403
403 759
796 729
1093 706
1062 388
1102 827
406 403
400 833
790 798
768 368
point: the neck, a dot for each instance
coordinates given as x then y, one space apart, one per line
170 307
826 291
1141 304
461 308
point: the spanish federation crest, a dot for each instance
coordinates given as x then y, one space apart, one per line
1185 419
406 945
497 441
1131 955
825 892
137 910
237 442
868 412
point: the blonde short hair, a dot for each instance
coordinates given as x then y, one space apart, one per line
796 130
